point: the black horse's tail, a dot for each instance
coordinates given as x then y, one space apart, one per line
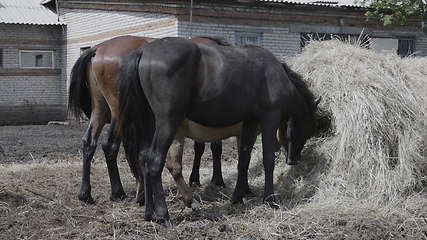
79 94
135 118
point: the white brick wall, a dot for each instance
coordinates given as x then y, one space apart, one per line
86 27
87 22
31 90
278 40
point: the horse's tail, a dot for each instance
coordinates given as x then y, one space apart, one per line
79 98
135 112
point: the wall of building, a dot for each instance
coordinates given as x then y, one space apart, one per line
283 40
88 27
278 40
421 46
30 95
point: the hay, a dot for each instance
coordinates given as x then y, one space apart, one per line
375 148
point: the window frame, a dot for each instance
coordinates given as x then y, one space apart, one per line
239 35
414 45
35 51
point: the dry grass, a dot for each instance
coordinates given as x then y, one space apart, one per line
38 201
364 178
374 155
375 148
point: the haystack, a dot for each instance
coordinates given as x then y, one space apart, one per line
374 148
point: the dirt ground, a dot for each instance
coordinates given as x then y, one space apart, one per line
40 177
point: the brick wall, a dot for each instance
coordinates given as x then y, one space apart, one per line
276 39
87 27
421 46
283 40
30 95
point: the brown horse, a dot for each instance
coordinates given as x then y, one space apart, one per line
93 90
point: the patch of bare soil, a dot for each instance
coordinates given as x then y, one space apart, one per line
38 200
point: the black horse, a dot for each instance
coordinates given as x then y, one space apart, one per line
171 79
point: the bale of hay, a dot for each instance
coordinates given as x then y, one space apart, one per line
375 148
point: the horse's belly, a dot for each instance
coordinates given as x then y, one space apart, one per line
202 133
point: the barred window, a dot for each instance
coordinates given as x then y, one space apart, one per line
245 38
406 47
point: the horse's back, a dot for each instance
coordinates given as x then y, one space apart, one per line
237 81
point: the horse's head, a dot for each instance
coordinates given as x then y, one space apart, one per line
293 134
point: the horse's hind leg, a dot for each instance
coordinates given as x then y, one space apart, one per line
216 148
90 140
154 163
111 149
199 148
174 165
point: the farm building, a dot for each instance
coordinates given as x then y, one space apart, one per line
32 84
283 27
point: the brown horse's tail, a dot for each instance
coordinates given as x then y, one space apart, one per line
79 94
136 120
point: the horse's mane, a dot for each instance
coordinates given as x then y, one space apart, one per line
301 86
217 40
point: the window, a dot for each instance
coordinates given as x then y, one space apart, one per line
36 59
385 45
406 47
248 39
362 40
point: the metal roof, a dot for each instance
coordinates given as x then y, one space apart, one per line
27 12
328 3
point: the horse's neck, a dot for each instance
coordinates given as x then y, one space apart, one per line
299 109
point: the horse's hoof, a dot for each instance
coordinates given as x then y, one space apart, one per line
272 205
86 198
140 198
249 193
195 204
118 196
237 199
194 180
188 202
167 223
148 216
271 202
141 202
218 182
195 184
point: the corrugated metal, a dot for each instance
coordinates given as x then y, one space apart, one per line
27 12
328 3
